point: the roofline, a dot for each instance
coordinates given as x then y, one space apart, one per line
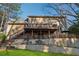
48 16
16 23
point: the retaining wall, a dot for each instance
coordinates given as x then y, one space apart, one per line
58 45
45 48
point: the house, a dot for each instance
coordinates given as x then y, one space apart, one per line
37 27
43 33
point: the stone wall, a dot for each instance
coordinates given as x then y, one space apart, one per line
66 42
58 45
45 48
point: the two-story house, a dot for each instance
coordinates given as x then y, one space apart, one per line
37 27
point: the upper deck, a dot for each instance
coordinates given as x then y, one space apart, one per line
44 22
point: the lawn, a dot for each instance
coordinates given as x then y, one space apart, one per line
30 53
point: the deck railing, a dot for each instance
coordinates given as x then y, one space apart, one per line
61 35
41 26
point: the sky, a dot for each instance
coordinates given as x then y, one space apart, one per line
37 9
31 9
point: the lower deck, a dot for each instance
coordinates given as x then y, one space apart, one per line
36 34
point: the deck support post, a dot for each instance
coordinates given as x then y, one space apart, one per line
24 34
32 34
49 37
40 34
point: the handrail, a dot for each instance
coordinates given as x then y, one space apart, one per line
16 33
35 25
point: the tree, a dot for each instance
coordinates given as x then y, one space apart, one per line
9 10
70 10
75 27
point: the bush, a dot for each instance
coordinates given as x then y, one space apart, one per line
2 36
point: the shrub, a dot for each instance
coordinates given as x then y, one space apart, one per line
2 36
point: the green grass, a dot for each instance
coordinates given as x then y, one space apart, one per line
29 53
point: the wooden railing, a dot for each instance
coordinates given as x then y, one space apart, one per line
61 35
16 31
41 26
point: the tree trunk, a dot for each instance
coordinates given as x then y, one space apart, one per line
2 22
